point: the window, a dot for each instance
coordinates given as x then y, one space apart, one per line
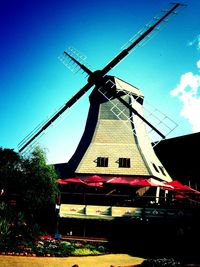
102 162
162 170
155 167
124 163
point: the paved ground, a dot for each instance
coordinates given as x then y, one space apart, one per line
84 261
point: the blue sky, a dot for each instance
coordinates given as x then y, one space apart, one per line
34 83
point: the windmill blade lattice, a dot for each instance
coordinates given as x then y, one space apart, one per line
33 134
157 125
159 120
157 29
140 38
75 61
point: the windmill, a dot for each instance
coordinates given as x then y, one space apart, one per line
105 147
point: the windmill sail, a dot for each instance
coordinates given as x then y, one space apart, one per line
73 59
97 77
140 37
36 133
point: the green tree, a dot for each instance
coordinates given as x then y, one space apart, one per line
31 181
10 170
39 187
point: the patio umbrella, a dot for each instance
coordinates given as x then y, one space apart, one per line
94 179
61 181
74 180
118 180
163 185
139 182
99 184
179 186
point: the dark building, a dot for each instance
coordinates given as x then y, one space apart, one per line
180 157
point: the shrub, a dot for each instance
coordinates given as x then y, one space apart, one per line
64 249
85 251
163 262
101 249
90 246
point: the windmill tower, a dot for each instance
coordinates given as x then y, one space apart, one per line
115 140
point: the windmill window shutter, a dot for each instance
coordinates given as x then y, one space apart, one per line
124 163
102 162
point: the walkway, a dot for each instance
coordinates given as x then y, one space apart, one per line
85 261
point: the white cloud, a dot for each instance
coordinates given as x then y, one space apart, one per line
188 92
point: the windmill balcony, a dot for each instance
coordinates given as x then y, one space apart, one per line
103 207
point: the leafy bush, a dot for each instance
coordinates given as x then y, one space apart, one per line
90 246
50 246
101 249
65 249
4 229
85 251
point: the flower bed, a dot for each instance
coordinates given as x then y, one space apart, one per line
49 246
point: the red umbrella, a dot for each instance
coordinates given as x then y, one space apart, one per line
118 180
60 181
163 185
150 182
140 182
178 186
99 184
94 179
74 180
